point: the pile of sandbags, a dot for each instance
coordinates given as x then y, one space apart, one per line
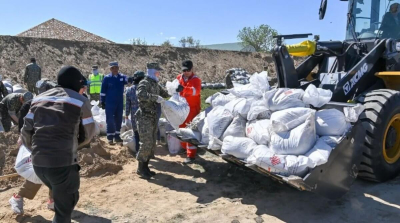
281 130
239 75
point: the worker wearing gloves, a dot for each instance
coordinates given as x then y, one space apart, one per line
33 73
9 108
50 131
149 93
95 79
3 89
132 104
190 89
112 100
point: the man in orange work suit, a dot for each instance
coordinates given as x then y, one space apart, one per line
190 89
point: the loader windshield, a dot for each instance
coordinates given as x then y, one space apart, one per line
370 19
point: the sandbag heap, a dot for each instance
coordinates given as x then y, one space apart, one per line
280 130
239 75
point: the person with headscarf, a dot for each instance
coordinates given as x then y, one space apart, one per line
50 131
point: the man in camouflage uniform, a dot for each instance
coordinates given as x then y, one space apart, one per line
3 89
33 73
149 93
10 106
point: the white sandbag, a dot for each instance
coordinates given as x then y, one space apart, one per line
97 129
126 126
189 134
239 106
239 147
24 167
218 120
316 97
174 144
9 90
284 165
172 86
258 110
352 113
205 133
95 109
332 141
9 86
259 131
18 89
101 121
330 122
246 91
283 98
319 154
237 128
298 141
260 81
129 141
222 100
214 143
175 110
288 119
212 97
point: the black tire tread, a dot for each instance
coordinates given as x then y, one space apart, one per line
375 102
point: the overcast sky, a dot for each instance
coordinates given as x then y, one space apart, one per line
210 21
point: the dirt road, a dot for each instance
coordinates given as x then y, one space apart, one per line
210 191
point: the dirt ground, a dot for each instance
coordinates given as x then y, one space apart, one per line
208 191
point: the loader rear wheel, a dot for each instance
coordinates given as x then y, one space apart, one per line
381 148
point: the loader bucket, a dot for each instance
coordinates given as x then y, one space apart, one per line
331 180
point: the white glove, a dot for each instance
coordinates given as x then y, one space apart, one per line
160 99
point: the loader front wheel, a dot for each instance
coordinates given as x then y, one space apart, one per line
381 147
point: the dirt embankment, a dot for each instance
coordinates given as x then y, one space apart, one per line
52 54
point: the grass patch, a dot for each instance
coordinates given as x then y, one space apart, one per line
205 93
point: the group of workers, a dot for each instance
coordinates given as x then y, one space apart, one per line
58 122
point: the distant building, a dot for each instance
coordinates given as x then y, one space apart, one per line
230 47
55 29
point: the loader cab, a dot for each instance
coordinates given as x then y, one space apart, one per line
373 19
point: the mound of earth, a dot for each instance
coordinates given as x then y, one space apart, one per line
96 161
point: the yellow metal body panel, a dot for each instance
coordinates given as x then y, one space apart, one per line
390 78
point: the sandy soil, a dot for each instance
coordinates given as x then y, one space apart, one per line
209 191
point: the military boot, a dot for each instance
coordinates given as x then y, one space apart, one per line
142 171
152 173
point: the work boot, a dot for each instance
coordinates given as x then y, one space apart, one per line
152 173
118 139
50 204
142 171
189 160
17 204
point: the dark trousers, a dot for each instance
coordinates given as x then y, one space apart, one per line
137 140
64 182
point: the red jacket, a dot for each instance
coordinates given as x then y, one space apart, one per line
191 92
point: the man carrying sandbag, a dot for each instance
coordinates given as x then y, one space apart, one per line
50 131
9 108
149 93
190 89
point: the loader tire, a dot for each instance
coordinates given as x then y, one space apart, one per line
381 148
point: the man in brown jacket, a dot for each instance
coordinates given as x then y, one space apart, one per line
51 130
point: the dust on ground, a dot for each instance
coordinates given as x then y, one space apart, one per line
209 191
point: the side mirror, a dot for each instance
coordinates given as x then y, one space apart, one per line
322 9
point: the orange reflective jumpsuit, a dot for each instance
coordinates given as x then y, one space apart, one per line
191 92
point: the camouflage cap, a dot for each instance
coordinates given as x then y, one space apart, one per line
138 74
28 96
154 65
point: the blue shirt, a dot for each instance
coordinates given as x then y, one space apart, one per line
132 103
112 88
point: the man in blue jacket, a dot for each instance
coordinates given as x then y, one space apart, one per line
112 100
